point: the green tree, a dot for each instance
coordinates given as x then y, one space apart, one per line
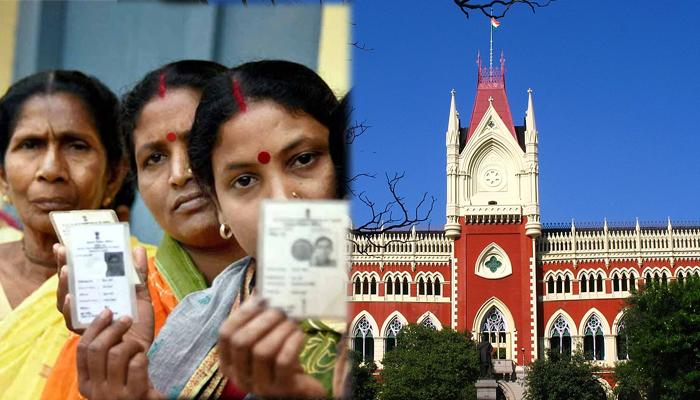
662 324
364 385
430 364
563 377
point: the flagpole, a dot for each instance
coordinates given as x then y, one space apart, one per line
491 42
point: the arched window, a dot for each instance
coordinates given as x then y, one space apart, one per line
391 331
560 336
560 285
494 330
429 284
550 285
633 282
583 282
624 281
363 340
358 288
591 283
593 342
616 282
437 287
567 284
421 286
365 286
397 285
373 286
680 277
647 279
428 322
389 286
621 342
664 279
600 283
405 286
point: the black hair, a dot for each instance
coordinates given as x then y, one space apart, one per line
99 101
126 194
291 85
191 74
323 238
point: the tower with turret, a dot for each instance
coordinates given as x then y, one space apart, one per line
493 217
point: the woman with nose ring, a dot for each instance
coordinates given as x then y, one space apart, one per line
267 129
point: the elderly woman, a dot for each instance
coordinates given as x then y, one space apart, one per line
59 150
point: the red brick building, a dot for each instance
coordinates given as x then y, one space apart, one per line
494 270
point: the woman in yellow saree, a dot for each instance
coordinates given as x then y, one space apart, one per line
59 150
156 118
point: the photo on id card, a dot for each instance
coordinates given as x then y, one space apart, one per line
302 261
101 270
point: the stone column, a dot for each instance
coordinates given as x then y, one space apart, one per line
486 389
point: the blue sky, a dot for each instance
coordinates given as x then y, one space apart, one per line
616 88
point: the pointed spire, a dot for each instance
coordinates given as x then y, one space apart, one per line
530 114
605 224
669 224
636 226
453 121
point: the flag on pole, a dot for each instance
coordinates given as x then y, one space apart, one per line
495 23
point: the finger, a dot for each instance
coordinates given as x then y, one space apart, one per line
85 374
249 309
66 310
141 263
118 358
239 345
137 382
341 371
59 253
263 368
287 361
62 289
100 346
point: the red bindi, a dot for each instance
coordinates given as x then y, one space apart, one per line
264 157
171 137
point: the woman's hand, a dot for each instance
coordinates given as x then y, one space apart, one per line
111 366
141 331
259 349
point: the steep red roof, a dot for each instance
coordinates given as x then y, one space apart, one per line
491 84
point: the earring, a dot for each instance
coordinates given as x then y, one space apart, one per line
106 202
6 199
225 231
295 195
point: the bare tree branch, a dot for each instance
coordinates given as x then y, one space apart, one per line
468 6
355 130
395 215
361 46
